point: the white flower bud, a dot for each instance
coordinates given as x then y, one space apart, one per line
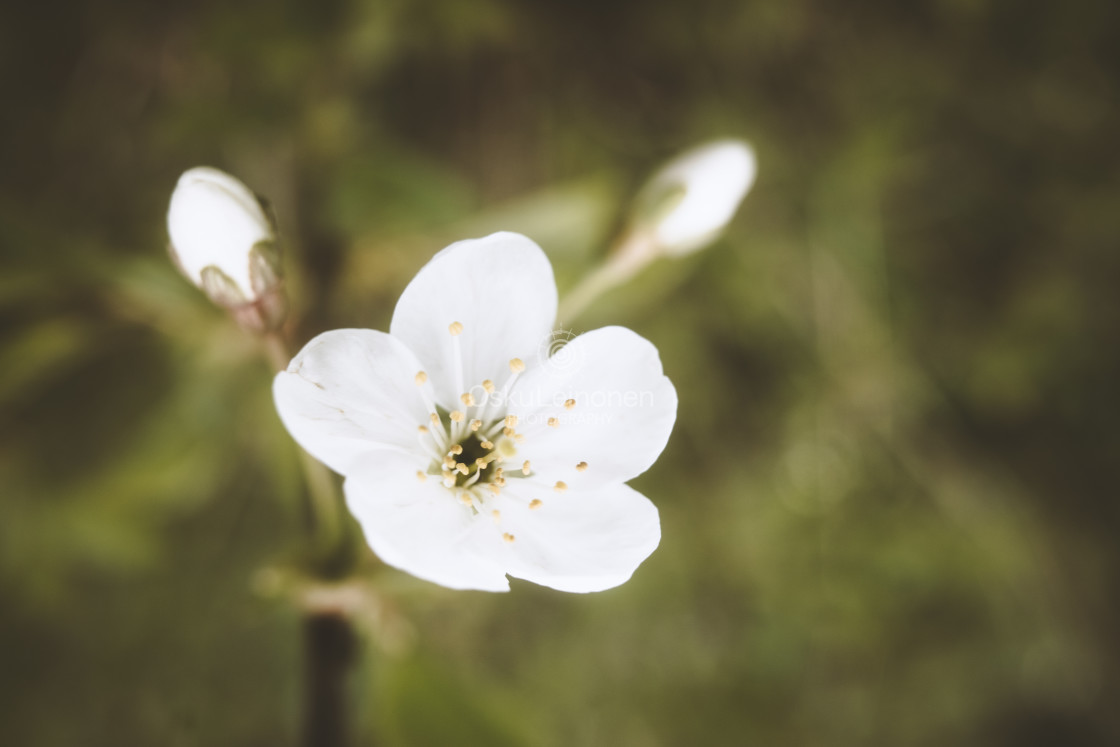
223 241
692 198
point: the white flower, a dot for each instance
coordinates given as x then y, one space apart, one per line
466 455
691 199
221 238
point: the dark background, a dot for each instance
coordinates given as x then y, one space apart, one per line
889 507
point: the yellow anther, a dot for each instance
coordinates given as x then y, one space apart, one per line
463 468
511 421
487 445
494 489
488 386
499 481
553 422
421 476
457 449
498 471
519 437
448 481
581 467
423 429
496 515
508 537
560 486
457 416
507 431
421 378
516 365
525 467
455 328
476 424
434 419
569 404
467 399
465 498
536 503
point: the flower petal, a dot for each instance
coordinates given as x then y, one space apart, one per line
420 527
349 392
577 541
499 288
610 406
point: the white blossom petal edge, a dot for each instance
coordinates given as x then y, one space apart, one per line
469 451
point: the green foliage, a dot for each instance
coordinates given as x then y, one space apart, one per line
888 507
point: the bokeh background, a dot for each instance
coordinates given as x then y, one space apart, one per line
889 506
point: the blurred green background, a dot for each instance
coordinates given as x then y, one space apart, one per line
889 506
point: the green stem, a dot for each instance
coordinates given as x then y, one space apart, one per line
633 252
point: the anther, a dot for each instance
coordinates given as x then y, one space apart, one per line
421 476
434 418
507 431
553 422
581 467
508 537
423 429
465 498
487 445
455 328
467 399
511 421
569 404
519 437
525 467
421 378
536 503
457 449
457 416
516 365
476 424
560 486
488 386
496 515
448 481
463 468
494 489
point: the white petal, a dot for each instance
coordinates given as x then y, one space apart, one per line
714 179
577 541
420 527
348 392
623 411
214 219
500 288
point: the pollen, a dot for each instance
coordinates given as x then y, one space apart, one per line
508 537
525 467
507 431
422 429
488 386
536 503
467 399
581 467
487 445
463 468
455 328
421 476
516 365
553 422
421 378
560 486
457 449
476 424
457 416
569 404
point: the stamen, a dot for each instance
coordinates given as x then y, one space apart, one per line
457 416
516 365
476 424
496 515
569 404
581 467
467 399
508 537
511 421
463 468
487 445
536 503
422 429
507 431
554 422
494 489
421 378
421 476
465 498
448 481
488 386
455 328
560 486
525 468
457 449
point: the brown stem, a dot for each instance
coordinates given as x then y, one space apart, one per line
330 649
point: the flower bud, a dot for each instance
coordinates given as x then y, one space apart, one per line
687 204
225 243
